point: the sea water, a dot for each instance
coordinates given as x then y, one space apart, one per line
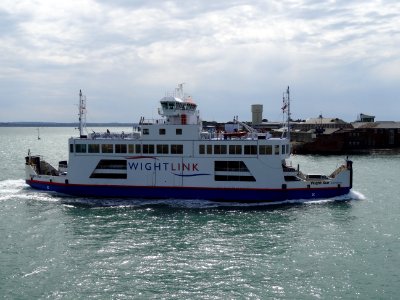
346 248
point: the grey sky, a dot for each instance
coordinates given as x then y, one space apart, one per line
340 58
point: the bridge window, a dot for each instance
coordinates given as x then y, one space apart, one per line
71 148
178 131
145 131
131 148
161 131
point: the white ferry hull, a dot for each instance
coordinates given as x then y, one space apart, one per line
213 194
193 184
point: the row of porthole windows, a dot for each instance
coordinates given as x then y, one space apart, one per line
127 148
243 149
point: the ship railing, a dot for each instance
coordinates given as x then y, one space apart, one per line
144 121
205 135
221 136
113 135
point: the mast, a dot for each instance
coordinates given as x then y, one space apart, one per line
288 113
179 91
82 114
286 110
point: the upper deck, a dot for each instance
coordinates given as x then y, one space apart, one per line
165 132
180 124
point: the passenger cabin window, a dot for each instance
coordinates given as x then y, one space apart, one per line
230 166
235 149
138 148
176 149
287 149
120 148
162 149
265 150
94 148
178 131
219 149
80 148
112 166
228 171
202 149
276 151
107 148
234 178
161 131
250 149
148 149
209 149
131 148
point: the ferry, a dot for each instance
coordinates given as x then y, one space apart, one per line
173 157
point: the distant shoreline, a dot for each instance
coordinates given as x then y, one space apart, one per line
55 124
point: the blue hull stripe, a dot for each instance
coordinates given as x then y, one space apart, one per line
214 194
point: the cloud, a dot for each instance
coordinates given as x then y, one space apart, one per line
126 54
